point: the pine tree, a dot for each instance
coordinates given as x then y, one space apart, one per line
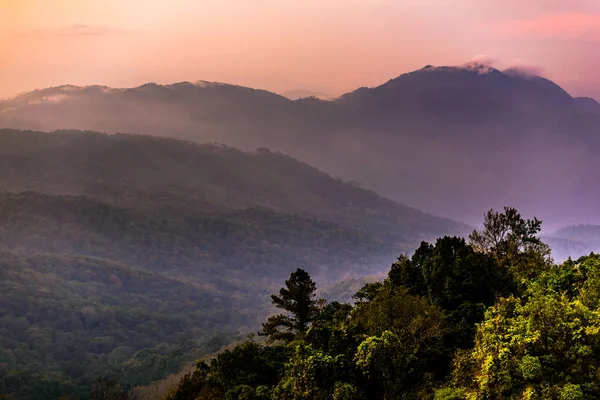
298 299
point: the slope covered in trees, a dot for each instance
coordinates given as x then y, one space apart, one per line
143 171
65 320
123 256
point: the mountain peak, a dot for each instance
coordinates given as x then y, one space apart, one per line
480 68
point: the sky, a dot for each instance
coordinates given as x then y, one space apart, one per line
330 46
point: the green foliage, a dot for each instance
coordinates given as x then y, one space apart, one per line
345 391
543 345
456 278
391 346
309 374
245 392
404 344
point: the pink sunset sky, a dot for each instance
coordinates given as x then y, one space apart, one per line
330 46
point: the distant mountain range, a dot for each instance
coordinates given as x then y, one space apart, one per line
574 241
453 141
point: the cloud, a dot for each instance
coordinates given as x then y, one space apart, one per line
54 99
483 59
481 63
77 30
523 69
565 25
87 30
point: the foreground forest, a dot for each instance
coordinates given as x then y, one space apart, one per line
492 318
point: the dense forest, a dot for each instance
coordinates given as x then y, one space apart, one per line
490 318
127 257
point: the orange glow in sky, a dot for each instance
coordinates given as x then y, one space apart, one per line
330 46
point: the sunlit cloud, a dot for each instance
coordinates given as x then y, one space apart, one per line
54 99
78 30
524 69
568 25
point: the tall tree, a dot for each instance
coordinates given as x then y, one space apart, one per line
506 234
298 299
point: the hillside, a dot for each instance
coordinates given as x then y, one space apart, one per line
133 252
143 170
452 141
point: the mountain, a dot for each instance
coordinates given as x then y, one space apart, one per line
574 241
589 233
128 255
587 105
452 141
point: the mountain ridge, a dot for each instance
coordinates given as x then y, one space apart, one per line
433 138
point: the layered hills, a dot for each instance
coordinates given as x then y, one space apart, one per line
452 141
136 253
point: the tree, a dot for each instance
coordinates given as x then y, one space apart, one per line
513 242
298 299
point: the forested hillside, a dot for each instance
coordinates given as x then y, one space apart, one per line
144 171
125 256
66 320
